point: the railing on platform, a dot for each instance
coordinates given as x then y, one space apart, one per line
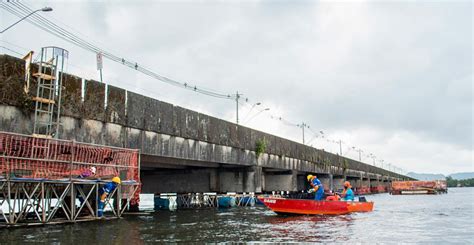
42 179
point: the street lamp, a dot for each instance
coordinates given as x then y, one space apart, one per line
266 109
251 108
360 152
373 157
45 9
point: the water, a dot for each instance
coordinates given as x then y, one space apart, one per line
395 219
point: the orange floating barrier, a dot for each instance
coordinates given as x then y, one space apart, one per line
418 187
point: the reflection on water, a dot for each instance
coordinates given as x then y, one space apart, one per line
424 219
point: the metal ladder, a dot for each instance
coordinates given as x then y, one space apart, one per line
48 94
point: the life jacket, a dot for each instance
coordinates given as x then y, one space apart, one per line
331 198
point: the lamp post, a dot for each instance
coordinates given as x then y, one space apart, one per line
373 157
360 152
251 108
45 9
266 109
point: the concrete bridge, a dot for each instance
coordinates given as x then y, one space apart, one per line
181 150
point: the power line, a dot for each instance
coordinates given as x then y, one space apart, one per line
52 28
11 50
20 10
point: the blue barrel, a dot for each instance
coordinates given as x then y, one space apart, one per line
224 202
161 203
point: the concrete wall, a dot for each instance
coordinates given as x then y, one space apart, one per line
162 129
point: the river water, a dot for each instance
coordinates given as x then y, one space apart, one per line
429 219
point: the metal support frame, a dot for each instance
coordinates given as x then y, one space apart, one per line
203 200
38 201
34 192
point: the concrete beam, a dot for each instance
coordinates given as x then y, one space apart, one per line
149 160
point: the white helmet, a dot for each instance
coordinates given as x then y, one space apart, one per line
93 170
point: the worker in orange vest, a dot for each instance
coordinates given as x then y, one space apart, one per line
347 194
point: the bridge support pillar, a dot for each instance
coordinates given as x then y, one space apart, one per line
365 186
253 179
326 180
214 180
374 183
302 183
338 183
356 184
281 181
331 182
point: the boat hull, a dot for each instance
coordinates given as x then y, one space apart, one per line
303 206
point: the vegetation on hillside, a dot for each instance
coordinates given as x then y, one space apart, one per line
464 183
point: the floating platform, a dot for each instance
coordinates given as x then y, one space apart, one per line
49 181
419 187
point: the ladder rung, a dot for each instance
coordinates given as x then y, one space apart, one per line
45 64
43 111
47 86
43 123
42 136
43 100
43 76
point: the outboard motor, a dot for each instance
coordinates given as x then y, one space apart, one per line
362 199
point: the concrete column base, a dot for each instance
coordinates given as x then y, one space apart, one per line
281 181
253 179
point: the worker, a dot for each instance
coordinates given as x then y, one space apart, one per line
316 186
347 194
104 192
88 173
332 196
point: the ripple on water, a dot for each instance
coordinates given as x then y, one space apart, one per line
396 219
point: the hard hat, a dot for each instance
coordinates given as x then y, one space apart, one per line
309 177
347 184
116 180
93 170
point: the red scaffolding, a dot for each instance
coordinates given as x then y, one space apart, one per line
31 158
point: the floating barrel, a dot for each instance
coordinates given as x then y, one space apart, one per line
225 201
162 203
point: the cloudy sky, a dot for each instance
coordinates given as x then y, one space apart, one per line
393 78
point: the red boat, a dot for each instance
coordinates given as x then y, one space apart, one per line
306 206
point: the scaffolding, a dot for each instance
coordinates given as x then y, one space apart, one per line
42 180
48 92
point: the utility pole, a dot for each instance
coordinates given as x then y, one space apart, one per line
340 147
237 97
302 126
373 157
360 156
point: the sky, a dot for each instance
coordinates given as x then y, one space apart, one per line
392 78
